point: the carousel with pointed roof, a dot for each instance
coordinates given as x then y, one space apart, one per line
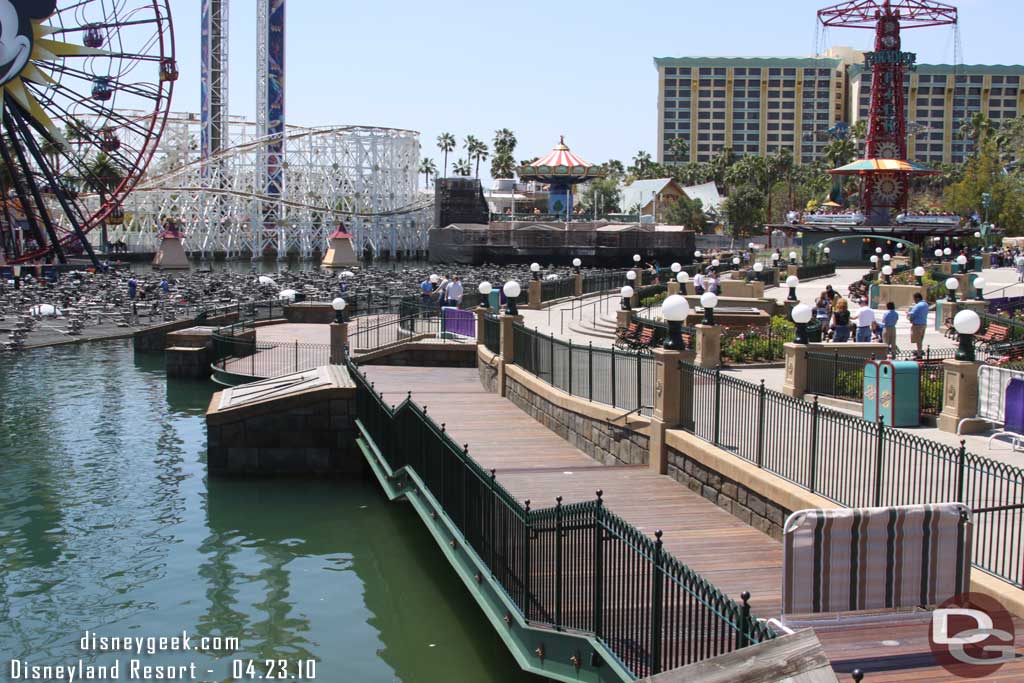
560 170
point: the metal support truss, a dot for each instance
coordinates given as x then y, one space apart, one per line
364 177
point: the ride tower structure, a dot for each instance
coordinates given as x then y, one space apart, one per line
888 63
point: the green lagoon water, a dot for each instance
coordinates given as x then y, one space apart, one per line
109 524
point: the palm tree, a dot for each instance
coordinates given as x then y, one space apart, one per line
103 176
678 149
641 162
462 167
840 152
427 168
976 128
504 142
503 165
479 152
446 143
470 145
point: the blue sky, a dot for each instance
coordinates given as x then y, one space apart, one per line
583 69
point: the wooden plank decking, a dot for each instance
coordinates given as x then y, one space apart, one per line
536 464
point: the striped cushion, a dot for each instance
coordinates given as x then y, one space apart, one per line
875 558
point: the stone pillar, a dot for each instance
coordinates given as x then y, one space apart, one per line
623 318
795 384
534 294
577 284
480 311
709 346
673 287
507 348
960 397
339 340
634 300
667 405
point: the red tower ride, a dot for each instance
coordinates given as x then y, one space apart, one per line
887 123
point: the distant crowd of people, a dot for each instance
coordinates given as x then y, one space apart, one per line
840 325
443 291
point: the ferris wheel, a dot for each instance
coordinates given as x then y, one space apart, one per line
85 87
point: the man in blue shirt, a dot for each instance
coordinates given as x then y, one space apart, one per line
426 289
918 315
889 321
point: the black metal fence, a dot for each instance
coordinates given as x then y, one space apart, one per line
602 282
492 333
621 379
575 566
266 359
562 288
832 374
857 463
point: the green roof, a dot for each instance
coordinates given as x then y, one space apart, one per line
959 69
814 62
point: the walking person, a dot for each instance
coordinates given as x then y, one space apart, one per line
918 316
426 289
698 283
841 321
133 287
889 321
865 319
1019 262
455 292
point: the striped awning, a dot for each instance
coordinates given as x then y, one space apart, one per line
560 162
866 166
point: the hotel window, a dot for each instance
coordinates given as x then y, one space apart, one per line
705 82
670 125
670 71
670 93
753 126
739 71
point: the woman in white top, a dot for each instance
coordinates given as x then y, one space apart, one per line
698 283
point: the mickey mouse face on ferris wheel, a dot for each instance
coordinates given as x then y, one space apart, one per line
16 33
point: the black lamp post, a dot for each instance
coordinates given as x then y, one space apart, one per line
966 323
627 294
339 305
512 291
801 315
675 309
708 301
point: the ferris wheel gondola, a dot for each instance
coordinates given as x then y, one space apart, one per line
69 72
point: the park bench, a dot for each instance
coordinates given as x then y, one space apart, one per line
993 335
646 338
625 337
1011 353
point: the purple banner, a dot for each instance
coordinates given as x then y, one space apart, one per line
458 321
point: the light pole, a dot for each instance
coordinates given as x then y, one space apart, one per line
919 274
485 292
966 323
627 294
682 279
938 255
792 258
979 288
961 262
802 314
758 269
512 291
576 263
708 301
951 285
698 255
675 309
535 269
792 282
339 305
827 251
887 274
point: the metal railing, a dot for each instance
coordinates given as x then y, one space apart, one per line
621 379
264 360
492 333
576 566
857 463
832 374
602 282
562 288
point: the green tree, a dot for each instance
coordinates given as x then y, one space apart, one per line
687 212
103 175
641 164
678 149
984 173
977 128
693 173
744 209
462 167
427 168
479 153
720 164
503 164
840 152
446 143
614 169
602 194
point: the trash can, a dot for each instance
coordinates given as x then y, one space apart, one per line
494 300
899 393
870 393
979 262
814 332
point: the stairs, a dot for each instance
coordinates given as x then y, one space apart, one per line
602 328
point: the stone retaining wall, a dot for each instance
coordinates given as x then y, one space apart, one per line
731 496
607 443
424 355
154 339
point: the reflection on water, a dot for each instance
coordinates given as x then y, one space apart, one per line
107 523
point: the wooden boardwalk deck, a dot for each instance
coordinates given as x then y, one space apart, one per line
536 464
